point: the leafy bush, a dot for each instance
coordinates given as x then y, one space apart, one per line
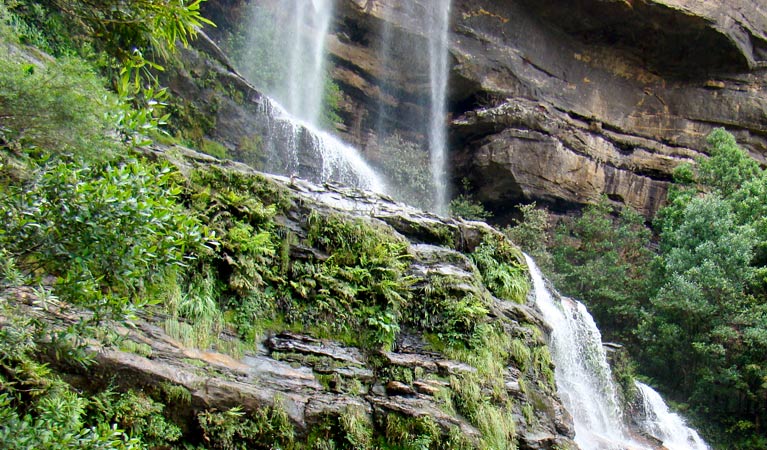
37 409
60 106
139 415
104 229
530 232
448 311
728 167
234 430
465 207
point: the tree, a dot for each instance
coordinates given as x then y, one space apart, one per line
704 270
728 167
530 232
604 260
705 334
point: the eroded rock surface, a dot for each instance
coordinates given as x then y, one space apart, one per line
311 378
557 102
563 102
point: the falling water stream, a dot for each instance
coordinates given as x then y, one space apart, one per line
584 381
306 70
422 59
287 136
437 32
664 425
293 141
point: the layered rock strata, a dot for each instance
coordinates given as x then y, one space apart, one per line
312 379
564 102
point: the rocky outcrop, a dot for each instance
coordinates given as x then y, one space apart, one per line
557 102
312 379
563 102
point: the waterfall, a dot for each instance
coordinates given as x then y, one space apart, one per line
305 80
413 58
286 136
583 376
585 384
437 32
294 74
662 424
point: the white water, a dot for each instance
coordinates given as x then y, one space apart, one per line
437 32
306 71
286 136
585 384
665 425
582 373
293 142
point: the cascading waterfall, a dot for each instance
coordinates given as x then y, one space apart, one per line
437 33
338 161
417 55
664 425
293 141
585 384
582 373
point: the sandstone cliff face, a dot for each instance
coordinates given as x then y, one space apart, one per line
563 102
558 102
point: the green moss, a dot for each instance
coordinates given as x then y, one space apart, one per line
175 394
521 354
544 367
213 148
396 373
494 419
250 150
361 287
528 414
447 311
138 348
194 362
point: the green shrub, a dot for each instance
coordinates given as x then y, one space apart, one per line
37 409
604 259
465 207
530 232
235 430
141 416
60 106
108 231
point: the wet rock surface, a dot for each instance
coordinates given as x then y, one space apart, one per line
313 378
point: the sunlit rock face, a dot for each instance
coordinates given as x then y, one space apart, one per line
564 102
559 102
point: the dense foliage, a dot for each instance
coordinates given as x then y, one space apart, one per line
218 258
602 258
86 220
694 313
